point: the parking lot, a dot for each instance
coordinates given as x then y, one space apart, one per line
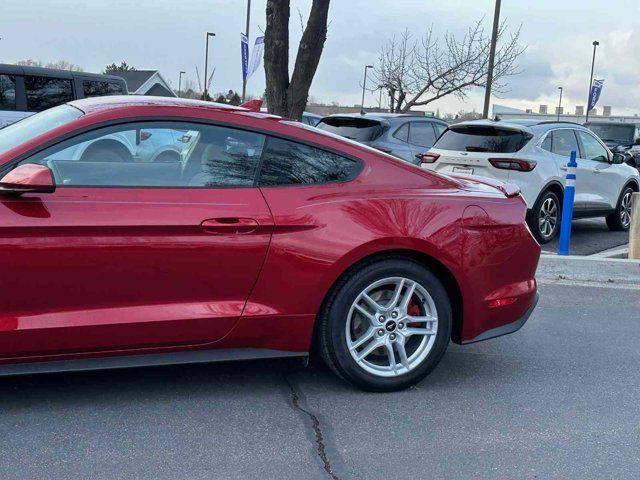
589 236
556 400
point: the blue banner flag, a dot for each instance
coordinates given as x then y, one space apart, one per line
244 45
594 94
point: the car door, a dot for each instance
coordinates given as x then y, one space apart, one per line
605 184
398 144
130 255
563 142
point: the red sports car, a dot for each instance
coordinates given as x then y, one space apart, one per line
254 237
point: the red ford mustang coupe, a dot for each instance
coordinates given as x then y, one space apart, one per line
145 231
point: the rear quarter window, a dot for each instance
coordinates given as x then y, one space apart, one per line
482 139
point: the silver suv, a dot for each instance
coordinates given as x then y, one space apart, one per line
534 156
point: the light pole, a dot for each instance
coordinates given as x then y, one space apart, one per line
593 62
246 32
492 55
206 63
180 81
364 85
559 103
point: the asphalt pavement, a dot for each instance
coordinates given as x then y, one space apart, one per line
589 236
558 399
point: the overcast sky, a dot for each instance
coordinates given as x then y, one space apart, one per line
169 36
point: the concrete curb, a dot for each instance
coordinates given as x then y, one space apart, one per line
607 271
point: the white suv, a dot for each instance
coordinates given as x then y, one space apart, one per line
534 156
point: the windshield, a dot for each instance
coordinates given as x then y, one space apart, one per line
482 139
359 129
614 133
35 125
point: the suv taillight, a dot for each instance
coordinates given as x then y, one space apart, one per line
427 157
517 164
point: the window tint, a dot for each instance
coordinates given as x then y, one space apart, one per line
359 129
592 149
46 92
564 142
421 133
95 88
290 163
482 139
7 92
547 143
156 154
402 133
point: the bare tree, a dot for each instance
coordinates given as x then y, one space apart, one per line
418 72
59 65
288 97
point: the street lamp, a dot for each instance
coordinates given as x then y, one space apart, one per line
593 62
492 56
559 103
364 85
206 63
180 81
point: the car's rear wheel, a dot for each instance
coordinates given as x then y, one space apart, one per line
620 220
544 219
386 325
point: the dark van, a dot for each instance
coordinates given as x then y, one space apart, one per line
27 90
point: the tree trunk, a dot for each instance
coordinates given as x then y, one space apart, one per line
284 97
276 56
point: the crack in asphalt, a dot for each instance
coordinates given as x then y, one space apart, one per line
321 448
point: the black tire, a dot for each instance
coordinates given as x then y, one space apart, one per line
168 157
331 335
620 220
110 152
540 214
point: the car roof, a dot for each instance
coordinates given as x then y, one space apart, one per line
116 102
521 124
385 116
53 72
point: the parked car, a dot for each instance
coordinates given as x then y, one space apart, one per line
112 263
534 156
621 138
27 90
404 136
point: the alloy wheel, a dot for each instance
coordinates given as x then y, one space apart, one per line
548 217
625 210
391 326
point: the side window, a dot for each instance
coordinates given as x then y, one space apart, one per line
593 150
291 163
96 88
564 141
547 143
402 133
46 92
439 128
156 154
421 133
7 92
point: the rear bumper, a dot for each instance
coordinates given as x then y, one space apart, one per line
508 328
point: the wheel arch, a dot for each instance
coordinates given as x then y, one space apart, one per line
555 187
633 183
444 274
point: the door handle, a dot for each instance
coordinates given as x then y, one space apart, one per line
229 225
595 170
564 167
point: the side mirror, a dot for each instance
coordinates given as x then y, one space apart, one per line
617 159
29 178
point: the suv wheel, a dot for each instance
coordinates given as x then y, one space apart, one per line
544 219
385 326
620 220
